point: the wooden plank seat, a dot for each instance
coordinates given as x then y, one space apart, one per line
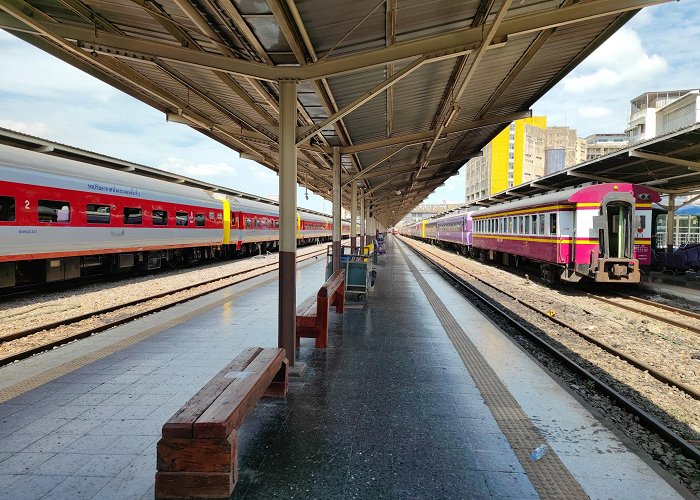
197 455
312 314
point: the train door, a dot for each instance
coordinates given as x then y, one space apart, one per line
616 238
619 242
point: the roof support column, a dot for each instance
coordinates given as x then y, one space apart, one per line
336 208
362 221
288 218
353 217
671 223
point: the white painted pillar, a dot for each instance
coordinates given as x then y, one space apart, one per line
353 217
336 208
362 222
288 218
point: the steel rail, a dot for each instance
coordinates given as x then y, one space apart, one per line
649 314
652 423
657 374
128 318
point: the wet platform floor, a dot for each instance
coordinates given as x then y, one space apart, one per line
388 410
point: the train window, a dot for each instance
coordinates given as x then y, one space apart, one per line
181 219
642 221
247 223
510 225
527 224
258 224
199 220
552 223
277 224
534 224
97 214
160 218
521 225
7 208
540 219
133 215
54 211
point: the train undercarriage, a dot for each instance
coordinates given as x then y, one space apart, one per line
38 271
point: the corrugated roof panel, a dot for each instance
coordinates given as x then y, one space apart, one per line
346 28
327 25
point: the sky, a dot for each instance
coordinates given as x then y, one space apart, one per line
44 97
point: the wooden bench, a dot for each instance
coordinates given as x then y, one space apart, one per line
312 314
198 452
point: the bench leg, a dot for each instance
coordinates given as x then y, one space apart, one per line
340 299
197 467
280 383
322 332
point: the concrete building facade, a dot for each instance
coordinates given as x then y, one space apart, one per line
514 156
644 109
598 145
683 112
562 143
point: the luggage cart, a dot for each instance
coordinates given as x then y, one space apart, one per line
358 276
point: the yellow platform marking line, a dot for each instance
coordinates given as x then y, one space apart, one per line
50 375
549 476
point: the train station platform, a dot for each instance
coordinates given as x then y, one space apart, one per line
417 396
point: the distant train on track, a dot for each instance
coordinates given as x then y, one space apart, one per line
600 232
62 219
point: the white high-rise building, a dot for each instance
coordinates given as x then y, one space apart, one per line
656 113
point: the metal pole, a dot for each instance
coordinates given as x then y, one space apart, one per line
336 208
353 217
288 218
362 221
671 223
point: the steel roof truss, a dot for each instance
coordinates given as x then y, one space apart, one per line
693 165
427 136
308 132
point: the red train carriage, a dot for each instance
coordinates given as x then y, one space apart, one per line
63 217
60 219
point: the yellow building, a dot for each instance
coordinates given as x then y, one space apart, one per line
514 156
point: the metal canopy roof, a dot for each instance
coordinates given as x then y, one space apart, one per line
668 164
409 90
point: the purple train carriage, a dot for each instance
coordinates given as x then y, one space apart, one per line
600 232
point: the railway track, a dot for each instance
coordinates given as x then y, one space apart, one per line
551 315
682 322
515 323
109 317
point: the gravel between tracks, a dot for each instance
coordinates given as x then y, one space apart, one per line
27 312
670 349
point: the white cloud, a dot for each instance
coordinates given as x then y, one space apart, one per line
29 71
262 173
620 61
594 111
644 17
197 170
32 128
